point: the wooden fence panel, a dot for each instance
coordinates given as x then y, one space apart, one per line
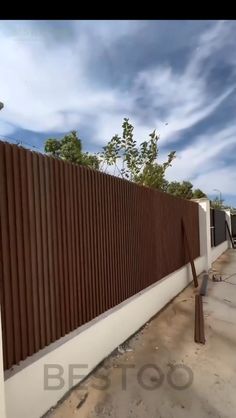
75 242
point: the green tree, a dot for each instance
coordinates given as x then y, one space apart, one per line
198 194
184 189
137 163
69 148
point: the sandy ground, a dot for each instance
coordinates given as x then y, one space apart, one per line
165 373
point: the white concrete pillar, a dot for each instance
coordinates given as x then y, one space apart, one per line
204 230
228 219
2 386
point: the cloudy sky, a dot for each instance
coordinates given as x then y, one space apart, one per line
176 76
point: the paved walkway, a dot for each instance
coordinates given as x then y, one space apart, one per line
165 373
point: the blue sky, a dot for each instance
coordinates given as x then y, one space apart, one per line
176 76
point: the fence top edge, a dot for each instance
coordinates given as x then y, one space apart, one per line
99 173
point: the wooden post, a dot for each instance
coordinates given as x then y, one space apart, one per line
229 233
189 253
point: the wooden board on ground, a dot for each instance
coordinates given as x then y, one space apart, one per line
199 333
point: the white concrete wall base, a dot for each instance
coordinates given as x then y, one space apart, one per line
25 394
217 251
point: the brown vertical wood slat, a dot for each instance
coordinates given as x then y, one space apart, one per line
69 245
54 216
59 215
91 295
102 243
49 216
121 242
12 208
114 199
95 263
90 231
116 194
108 243
45 271
81 247
127 237
112 246
38 243
27 250
133 258
105 244
73 244
121 271
2 301
6 300
136 246
142 250
101 254
114 240
126 247
2 310
78 278
85 243
113 253
123 245
20 251
130 230
97 243
64 245
33 260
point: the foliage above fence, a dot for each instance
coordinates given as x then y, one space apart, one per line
75 242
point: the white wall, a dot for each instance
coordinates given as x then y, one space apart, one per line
217 251
25 394
209 253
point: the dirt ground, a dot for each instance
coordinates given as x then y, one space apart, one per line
165 373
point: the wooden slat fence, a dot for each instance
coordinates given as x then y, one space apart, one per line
76 242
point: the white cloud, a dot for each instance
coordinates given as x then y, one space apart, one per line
48 88
223 179
185 96
202 162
